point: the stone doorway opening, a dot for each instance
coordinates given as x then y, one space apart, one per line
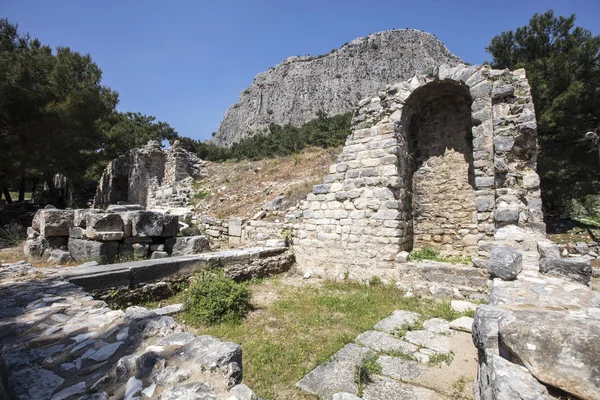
439 206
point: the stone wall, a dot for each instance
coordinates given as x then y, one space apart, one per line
440 152
151 177
122 233
440 160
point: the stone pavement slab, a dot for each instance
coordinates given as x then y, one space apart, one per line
337 374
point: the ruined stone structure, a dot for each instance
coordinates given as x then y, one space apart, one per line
293 91
441 160
151 177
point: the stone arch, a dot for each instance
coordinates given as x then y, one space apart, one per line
436 130
360 219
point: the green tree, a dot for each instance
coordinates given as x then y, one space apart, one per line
563 67
124 131
49 109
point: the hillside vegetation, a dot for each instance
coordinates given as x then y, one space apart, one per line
279 141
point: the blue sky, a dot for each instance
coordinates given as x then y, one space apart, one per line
186 61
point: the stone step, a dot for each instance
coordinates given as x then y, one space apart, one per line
58 343
444 274
405 372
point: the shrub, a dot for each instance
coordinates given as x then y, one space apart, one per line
213 298
375 281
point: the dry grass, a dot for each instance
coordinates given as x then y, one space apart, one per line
242 188
13 254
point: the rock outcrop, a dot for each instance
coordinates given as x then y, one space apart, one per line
293 91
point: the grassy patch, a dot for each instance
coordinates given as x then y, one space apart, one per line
303 326
13 233
429 253
444 310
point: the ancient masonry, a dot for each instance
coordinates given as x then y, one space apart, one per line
150 176
444 160
441 160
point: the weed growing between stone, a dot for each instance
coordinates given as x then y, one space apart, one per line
401 354
364 371
411 327
459 386
200 192
440 358
429 253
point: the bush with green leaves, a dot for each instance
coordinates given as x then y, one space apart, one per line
213 298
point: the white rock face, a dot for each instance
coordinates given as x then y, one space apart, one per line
293 91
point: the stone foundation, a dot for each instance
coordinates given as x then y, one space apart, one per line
538 336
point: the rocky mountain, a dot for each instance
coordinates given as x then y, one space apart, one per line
293 91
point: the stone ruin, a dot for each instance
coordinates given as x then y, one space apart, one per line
121 233
152 177
440 161
446 160
145 194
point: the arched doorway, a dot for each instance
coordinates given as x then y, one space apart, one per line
440 196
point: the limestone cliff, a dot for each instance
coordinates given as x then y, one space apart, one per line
293 91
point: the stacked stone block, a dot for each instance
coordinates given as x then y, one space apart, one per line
123 234
370 205
518 200
258 232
